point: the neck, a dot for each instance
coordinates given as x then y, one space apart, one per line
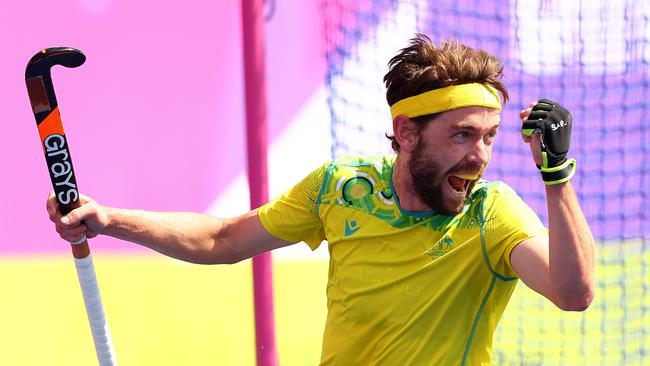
403 184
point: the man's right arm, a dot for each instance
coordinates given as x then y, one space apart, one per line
187 236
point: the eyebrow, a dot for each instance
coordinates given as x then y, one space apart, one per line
469 126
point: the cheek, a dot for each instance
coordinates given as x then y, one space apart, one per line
489 151
438 156
452 156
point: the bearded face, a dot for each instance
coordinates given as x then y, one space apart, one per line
443 188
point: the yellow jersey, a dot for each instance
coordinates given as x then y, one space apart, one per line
405 288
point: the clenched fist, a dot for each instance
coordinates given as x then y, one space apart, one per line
86 221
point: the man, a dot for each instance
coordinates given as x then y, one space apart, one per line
424 254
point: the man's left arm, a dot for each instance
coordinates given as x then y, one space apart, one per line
560 267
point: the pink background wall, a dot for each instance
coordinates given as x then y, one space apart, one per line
155 116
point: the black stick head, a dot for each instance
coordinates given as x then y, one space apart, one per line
42 62
39 79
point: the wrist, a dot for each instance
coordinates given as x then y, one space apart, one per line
558 188
558 174
109 221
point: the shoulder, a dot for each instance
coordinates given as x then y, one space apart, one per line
502 195
501 205
496 200
493 192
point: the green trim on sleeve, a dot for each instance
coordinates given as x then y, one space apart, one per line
486 259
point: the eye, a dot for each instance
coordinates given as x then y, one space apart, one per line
490 136
461 136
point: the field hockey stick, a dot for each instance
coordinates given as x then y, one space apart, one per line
59 163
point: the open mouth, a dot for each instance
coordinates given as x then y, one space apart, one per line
459 183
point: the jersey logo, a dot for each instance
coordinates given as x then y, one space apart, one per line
444 245
351 227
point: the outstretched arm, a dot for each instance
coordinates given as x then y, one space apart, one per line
560 267
187 236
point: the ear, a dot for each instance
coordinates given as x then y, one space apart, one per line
406 132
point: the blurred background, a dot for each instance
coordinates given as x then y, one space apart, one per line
155 120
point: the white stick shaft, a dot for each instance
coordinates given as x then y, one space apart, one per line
95 311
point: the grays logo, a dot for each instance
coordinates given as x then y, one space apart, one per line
58 160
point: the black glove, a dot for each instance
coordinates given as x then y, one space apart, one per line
554 123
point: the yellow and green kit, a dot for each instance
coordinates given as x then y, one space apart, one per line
405 288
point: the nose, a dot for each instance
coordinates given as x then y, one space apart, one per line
480 153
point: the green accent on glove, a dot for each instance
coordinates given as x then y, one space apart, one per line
559 174
527 132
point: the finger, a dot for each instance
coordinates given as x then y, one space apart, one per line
543 106
55 217
529 127
537 115
528 139
77 215
548 101
52 207
81 239
50 203
76 230
536 147
73 234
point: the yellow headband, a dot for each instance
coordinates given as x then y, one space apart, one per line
447 98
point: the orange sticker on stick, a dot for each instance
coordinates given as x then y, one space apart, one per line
51 125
